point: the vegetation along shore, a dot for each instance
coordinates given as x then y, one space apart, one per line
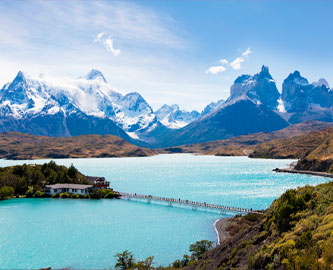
311 142
295 232
36 180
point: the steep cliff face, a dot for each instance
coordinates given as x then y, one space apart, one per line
260 88
88 105
252 107
305 101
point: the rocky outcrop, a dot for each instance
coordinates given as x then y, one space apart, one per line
304 101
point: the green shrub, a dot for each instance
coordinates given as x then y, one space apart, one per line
109 194
251 217
84 196
65 195
30 192
6 192
199 248
288 204
55 195
75 196
39 194
97 194
304 241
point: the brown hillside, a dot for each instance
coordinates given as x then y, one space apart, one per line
245 145
314 149
15 145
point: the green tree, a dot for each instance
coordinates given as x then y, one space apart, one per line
147 264
30 192
182 263
199 248
288 204
73 172
6 192
125 260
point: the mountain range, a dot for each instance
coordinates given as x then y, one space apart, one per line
89 105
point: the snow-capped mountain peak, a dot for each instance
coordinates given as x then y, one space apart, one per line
27 97
260 88
95 74
173 117
321 82
212 106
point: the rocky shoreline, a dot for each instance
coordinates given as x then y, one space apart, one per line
220 228
323 174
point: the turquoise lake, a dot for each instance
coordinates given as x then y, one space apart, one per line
60 233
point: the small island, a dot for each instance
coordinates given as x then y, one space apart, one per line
51 180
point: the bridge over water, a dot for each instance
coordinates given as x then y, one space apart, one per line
195 205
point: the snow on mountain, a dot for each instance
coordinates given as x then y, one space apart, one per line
30 96
321 82
304 101
211 107
175 118
95 74
260 88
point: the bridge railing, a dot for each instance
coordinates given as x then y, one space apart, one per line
188 202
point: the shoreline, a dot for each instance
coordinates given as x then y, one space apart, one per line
220 229
323 174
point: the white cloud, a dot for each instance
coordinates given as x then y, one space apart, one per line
216 69
247 52
108 42
236 64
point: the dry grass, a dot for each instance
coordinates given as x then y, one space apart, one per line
15 145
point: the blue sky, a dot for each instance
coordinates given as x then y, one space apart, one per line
184 52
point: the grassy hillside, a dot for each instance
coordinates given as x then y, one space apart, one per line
296 232
15 145
314 149
246 144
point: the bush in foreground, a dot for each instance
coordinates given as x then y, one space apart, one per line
6 192
102 193
75 196
30 192
64 195
126 260
39 194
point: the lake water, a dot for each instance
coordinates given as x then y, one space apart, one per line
37 233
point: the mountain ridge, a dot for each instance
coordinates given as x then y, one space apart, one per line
89 105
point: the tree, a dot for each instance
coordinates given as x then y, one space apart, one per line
30 192
72 172
199 248
6 192
182 263
146 264
125 260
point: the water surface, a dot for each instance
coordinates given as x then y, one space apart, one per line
38 233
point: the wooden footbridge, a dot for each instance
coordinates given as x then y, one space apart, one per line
195 205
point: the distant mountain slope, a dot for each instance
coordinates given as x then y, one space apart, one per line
260 88
212 107
304 101
314 149
15 145
251 108
245 144
173 117
88 105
